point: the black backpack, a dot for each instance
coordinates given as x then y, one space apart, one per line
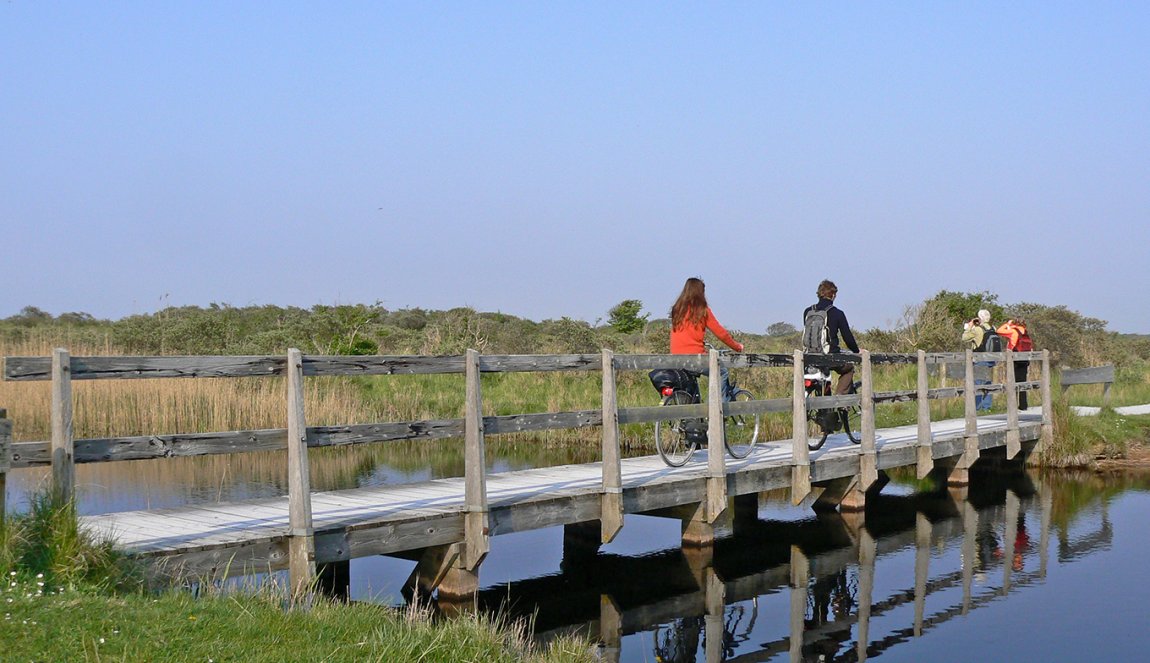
991 341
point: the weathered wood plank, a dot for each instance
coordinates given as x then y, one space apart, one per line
1047 404
126 368
5 463
611 505
697 363
476 530
648 414
418 364
716 455
301 546
868 470
1013 445
924 462
1092 375
63 454
800 455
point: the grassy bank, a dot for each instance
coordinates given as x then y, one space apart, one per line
68 598
1079 441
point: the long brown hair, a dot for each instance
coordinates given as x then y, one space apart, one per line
691 306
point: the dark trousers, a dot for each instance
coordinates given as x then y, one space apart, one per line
1020 369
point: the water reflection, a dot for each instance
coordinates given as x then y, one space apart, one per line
788 585
825 588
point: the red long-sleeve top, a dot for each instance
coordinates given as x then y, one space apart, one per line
687 339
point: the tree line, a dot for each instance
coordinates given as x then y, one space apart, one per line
933 325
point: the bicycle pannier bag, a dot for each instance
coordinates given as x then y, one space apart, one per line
675 378
816 337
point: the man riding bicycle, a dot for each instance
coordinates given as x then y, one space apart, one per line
824 329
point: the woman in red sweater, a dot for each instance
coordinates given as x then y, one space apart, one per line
690 320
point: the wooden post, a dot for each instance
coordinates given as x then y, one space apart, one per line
800 579
868 552
922 532
868 460
800 455
961 474
925 448
5 462
1047 405
1009 536
611 502
716 462
714 600
1013 443
301 546
63 448
475 471
969 548
610 629
1046 500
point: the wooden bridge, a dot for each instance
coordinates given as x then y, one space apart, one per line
445 525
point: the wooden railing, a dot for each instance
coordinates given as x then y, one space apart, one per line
62 452
1103 375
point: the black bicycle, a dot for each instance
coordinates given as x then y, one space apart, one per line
677 439
817 382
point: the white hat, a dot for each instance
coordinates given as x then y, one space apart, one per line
984 315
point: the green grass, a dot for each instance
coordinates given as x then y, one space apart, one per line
66 597
79 625
1079 439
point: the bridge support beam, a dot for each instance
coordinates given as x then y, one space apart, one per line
333 579
610 629
954 471
700 530
800 579
845 493
459 586
744 511
431 567
581 541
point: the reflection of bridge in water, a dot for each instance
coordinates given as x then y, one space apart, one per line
694 597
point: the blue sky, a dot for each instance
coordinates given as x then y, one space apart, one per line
551 159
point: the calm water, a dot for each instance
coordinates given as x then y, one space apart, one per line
1021 568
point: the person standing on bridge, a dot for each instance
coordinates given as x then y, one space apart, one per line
980 336
835 324
1018 340
690 320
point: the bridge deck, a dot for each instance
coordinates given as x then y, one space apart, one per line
390 519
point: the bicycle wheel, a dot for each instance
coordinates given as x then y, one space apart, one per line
741 431
671 440
852 422
814 418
